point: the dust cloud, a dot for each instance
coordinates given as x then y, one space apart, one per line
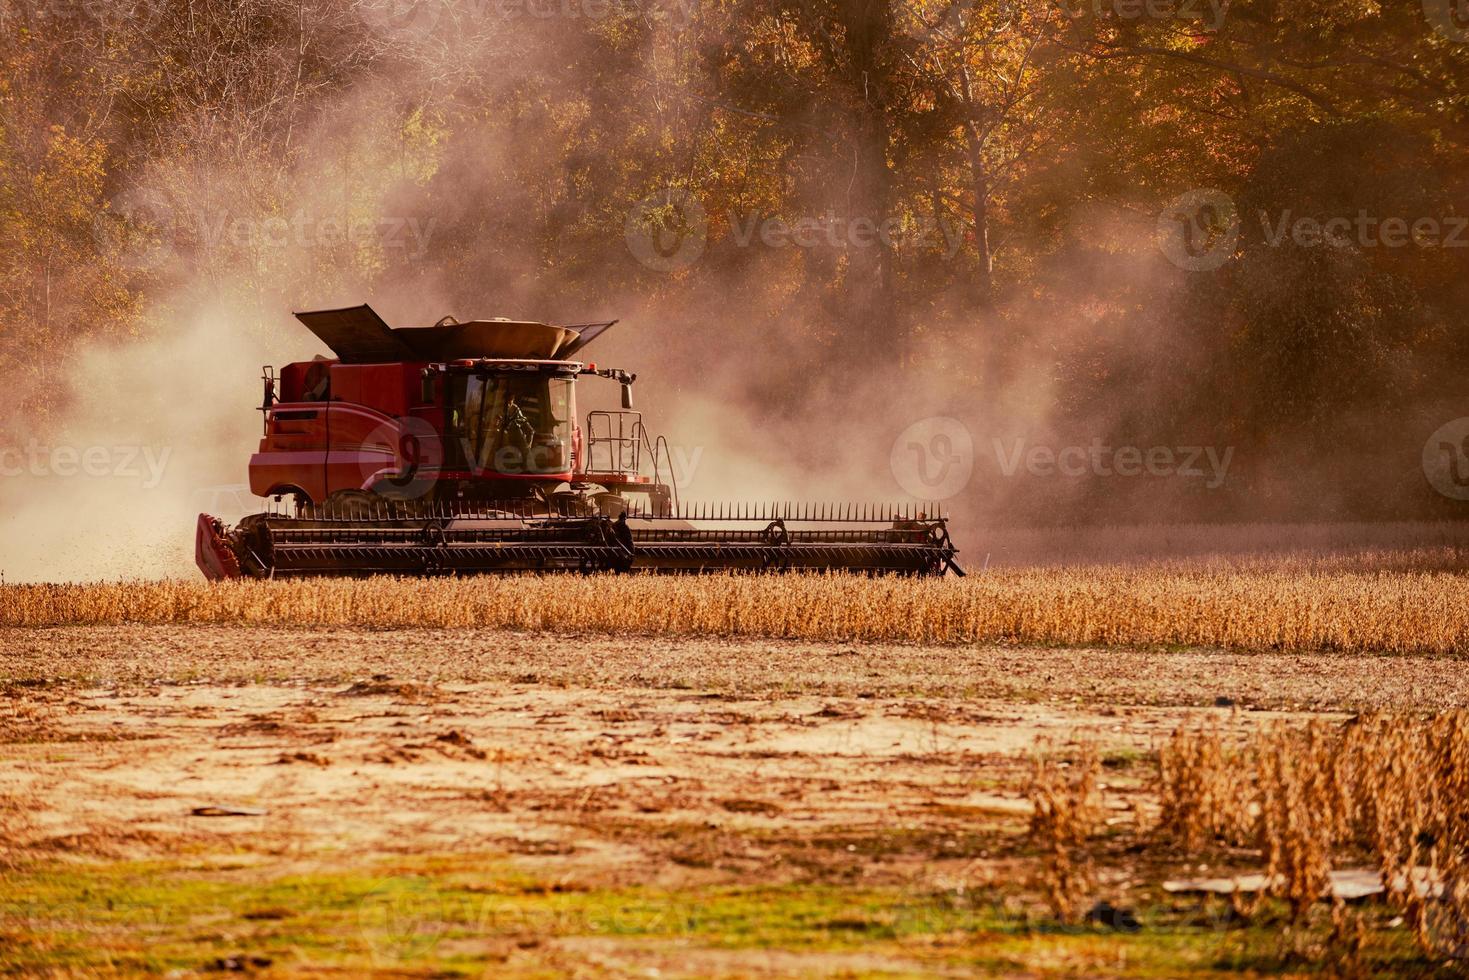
158 430
760 392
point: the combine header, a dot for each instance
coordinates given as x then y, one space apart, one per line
455 450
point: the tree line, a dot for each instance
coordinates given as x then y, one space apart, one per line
1188 222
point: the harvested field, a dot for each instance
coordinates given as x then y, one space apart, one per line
113 656
456 802
742 776
1413 601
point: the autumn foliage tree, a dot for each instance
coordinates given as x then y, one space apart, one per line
1016 153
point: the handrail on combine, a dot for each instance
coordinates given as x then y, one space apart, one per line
662 443
625 445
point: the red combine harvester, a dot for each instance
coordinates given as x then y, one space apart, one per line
455 449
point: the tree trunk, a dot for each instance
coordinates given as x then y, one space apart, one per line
867 25
980 180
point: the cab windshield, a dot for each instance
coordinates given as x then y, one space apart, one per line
515 424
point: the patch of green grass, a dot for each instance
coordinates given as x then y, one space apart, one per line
456 914
1126 757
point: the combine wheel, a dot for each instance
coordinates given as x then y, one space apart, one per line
775 558
253 546
617 537
938 537
776 534
433 534
354 505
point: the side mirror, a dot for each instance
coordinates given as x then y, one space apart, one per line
627 397
427 394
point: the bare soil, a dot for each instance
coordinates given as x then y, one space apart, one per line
418 740
606 762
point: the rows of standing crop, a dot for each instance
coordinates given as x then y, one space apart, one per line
1276 607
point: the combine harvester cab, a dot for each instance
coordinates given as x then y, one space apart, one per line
456 450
